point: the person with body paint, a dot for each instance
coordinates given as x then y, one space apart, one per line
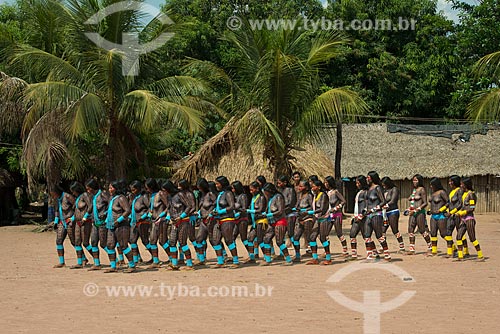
277 223
391 211
467 219
206 206
337 202
453 221
81 223
258 220
99 232
438 205
64 210
360 213
118 226
305 217
139 224
416 212
321 225
240 212
374 223
158 205
290 196
224 216
182 206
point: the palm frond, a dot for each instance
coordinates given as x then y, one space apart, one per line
485 106
489 65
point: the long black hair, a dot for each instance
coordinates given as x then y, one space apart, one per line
255 185
387 181
118 185
224 182
455 179
374 176
211 187
306 185
136 184
362 181
184 185
170 187
270 188
420 180
202 185
262 180
77 187
331 182
238 187
436 184
93 184
152 184
467 181
284 179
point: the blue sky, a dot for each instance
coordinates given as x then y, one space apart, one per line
442 5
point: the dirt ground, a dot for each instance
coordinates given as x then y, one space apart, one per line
450 297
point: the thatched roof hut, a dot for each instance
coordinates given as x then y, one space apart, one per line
223 155
399 155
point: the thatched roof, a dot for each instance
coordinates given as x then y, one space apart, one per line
239 164
397 155
6 180
222 155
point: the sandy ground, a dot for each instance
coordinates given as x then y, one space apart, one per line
449 297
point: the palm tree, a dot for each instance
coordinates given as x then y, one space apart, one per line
486 104
82 93
276 95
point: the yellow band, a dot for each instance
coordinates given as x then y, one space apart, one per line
443 208
261 221
475 243
453 211
459 242
462 212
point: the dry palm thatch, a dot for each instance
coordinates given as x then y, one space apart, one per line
400 156
224 154
12 111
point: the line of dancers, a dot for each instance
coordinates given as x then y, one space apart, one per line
173 216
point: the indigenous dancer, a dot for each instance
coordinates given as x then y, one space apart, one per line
224 215
290 202
65 204
375 221
392 211
158 205
337 202
296 182
467 219
99 232
322 224
258 205
304 207
240 212
438 205
139 223
358 221
118 227
275 215
416 211
455 201
207 205
261 179
81 223
182 206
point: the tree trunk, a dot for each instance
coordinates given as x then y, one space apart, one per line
109 153
338 150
